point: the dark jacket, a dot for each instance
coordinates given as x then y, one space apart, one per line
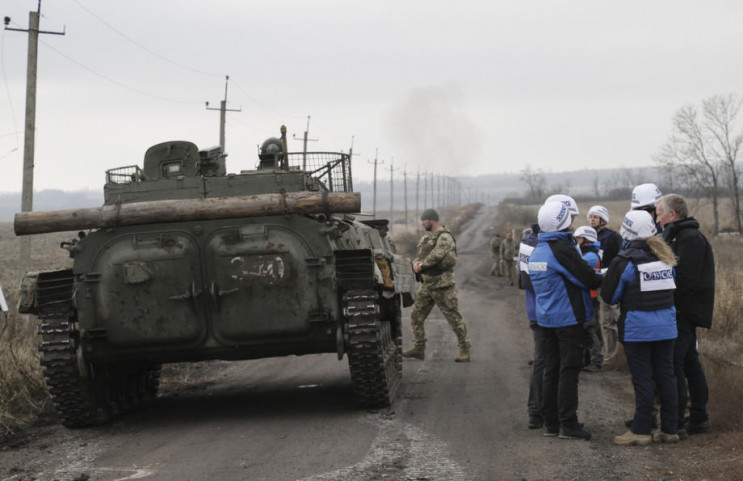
695 272
528 243
611 244
561 280
646 314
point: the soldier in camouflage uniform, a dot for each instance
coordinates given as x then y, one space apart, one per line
495 250
434 263
509 249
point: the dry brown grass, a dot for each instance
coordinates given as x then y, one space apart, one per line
23 394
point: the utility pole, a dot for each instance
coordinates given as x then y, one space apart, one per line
223 112
392 190
425 190
27 191
405 194
376 162
304 147
417 195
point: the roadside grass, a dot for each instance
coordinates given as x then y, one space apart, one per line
23 394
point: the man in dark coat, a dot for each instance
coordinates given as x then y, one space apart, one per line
611 244
694 298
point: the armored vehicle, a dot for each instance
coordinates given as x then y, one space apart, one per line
185 262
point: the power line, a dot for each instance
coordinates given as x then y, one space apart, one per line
261 105
143 47
116 82
10 99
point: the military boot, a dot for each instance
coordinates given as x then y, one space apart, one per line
464 355
415 353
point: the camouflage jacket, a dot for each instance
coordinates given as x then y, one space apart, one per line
437 253
495 247
509 249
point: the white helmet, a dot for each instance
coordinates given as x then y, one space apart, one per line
637 224
554 216
586 232
645 195
599 211
565 199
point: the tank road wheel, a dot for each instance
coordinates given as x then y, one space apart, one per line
83 393
372 349
78 398
89 393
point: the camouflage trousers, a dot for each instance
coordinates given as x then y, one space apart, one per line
448 304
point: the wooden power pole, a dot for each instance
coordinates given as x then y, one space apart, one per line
223 113
376 163
27 192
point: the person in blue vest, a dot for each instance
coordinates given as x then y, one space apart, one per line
590 249
641 280
561 281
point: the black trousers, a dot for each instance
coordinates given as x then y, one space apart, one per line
688 368
651 366
537 374
563 361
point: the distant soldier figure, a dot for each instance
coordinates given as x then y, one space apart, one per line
509 249
437 255
495 251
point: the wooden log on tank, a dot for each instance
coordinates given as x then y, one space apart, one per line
152 212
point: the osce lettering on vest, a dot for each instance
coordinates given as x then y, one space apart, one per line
656 276
524 254
537 266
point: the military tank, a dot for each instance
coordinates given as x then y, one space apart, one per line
186 263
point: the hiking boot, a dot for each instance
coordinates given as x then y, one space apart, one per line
551 430
575 432
535 422
592 368
682 434
697 428
631 439
464 355
661 437
415 353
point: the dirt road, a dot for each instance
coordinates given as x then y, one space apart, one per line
295 419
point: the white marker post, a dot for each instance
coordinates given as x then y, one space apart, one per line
3 304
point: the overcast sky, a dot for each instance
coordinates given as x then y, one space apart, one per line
462 87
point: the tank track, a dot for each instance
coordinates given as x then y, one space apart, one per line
82 393
374 356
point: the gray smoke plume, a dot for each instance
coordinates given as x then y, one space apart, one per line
432 131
